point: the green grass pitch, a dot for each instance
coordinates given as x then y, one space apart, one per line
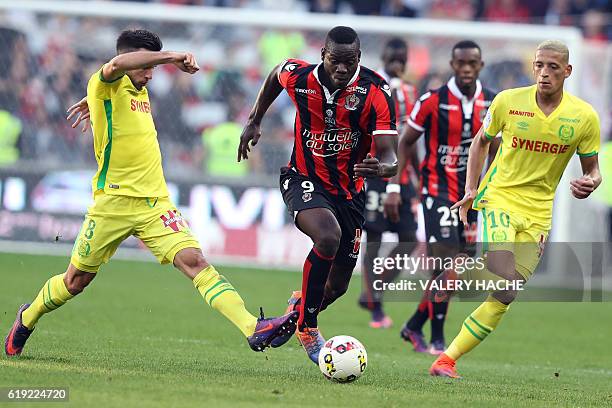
141 335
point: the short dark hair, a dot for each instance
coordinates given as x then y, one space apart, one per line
465 44
342 35
396 43
130 40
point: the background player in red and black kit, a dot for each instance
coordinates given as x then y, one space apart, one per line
341 106
394 58
450 117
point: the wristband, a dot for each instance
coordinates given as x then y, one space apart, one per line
393 188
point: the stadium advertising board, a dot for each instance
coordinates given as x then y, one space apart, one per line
246 224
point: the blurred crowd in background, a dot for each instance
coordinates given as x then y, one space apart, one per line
588 14
47 61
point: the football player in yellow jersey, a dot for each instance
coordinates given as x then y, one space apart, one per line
541 127
131 198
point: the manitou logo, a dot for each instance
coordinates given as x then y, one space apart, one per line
173 220
521 113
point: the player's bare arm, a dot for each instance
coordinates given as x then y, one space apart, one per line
476 158
122 63
405 152
251 133
383 166
493 148
591 178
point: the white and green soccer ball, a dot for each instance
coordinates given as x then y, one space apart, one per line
343 359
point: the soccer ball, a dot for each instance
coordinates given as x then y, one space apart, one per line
343 359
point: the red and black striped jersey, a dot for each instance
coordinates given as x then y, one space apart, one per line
334 130
449 121
404 95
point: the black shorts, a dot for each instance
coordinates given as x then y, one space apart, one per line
376 191
443 225
301 193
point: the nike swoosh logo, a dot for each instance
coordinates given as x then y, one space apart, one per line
268 327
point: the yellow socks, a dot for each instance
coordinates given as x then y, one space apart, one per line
222 296
52 295
477 327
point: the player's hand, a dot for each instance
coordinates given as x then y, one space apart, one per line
82 109
582 187
464 205
391 206
369 167
250 134
187 63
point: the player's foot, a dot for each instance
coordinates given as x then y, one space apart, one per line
444 366
17 337
293 303
312 341
277 330
416 338
380 320
437 347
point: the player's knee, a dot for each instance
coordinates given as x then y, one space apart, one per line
191 261
76 281
328 242
506 296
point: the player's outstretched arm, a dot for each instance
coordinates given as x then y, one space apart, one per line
591 178
251 133
476 158
118 66
406 151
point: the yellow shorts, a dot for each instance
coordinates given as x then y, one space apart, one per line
112 219
525 237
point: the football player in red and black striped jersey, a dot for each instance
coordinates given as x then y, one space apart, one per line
450 117
341 107
394 58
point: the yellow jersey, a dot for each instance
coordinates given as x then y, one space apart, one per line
125 139
534 150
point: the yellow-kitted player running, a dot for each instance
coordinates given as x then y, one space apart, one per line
131 198
541 127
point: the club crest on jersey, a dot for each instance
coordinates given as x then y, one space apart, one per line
351 102
306 197
173 219
83 248
566 132
499 236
